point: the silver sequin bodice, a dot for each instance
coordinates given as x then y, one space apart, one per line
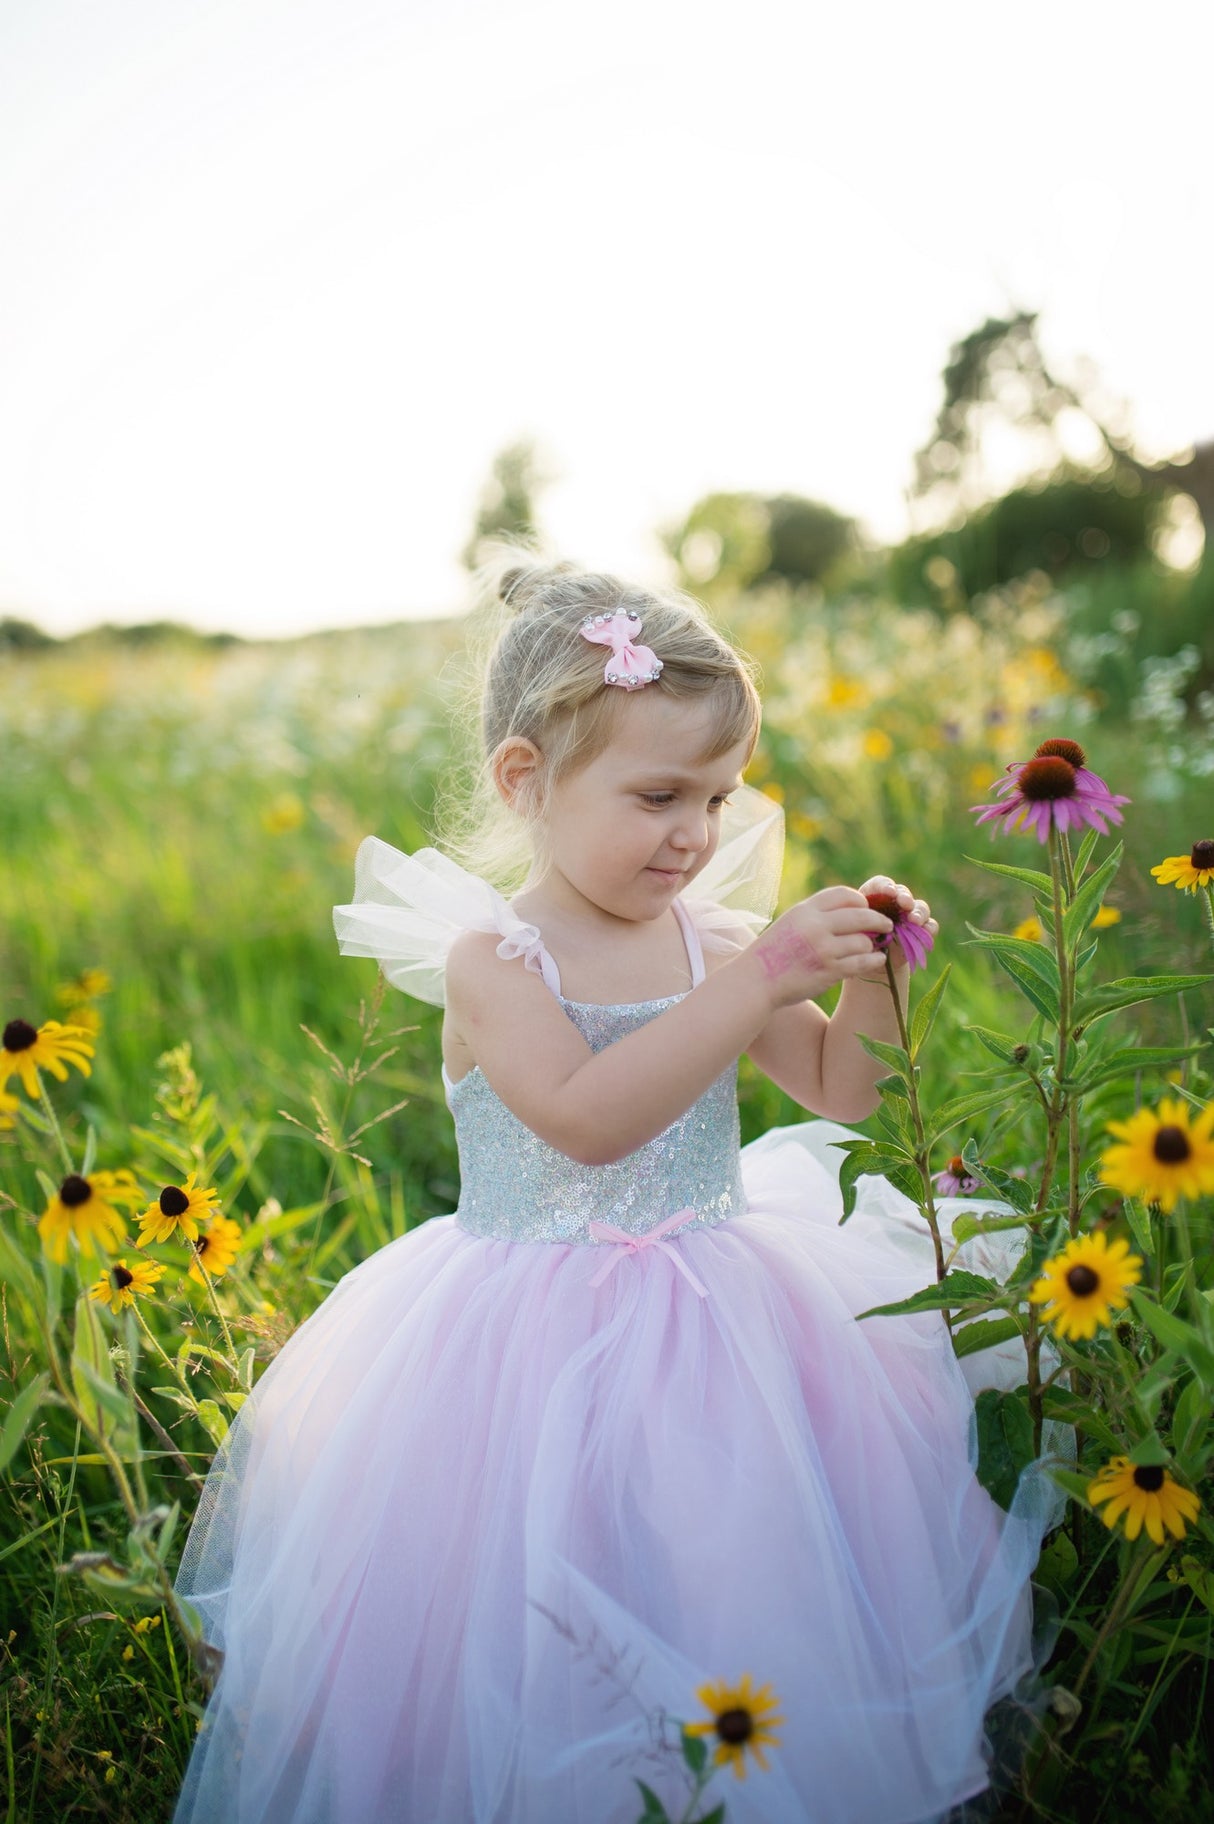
515 1187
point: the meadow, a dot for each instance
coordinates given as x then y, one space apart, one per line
177 818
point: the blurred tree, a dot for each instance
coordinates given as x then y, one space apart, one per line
731 542
998 377
507 503
22 636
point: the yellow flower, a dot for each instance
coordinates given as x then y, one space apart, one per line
1144 1494
215 1251
1163 1154
284 814
145 1624
1107 915
1188 872
1029 929
121 1283
8 1109
84 987
84 1207
844 692
741 1718
26 1049
1083 1285
179 1207
877 744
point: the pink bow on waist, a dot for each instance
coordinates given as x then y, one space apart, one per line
632 1244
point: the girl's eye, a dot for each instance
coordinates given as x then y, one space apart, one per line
657 798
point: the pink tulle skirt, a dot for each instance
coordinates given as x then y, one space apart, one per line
482 1527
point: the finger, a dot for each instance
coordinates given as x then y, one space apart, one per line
879 883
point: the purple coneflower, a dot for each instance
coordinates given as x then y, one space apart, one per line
914 940
955 1180
1053 790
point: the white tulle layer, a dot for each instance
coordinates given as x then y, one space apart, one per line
480 1523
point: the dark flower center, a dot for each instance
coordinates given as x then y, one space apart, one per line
887 905
1149 1477
1082 1281
74 1191
122 1277
201 1244
1064 750
735 1726
1171 1146
19 1035
1045 778
956 1166
173 1202
1202 857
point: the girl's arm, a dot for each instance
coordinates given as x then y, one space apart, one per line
820 1062
598 1107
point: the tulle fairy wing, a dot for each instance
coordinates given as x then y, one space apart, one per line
735 895
408 910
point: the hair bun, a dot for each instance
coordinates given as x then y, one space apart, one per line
508 582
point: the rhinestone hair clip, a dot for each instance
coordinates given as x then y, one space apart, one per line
630 666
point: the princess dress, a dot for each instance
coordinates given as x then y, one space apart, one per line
538 1469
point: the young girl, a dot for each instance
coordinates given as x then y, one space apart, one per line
542 1469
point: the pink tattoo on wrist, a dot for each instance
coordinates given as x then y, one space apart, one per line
780 951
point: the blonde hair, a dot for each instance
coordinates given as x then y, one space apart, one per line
542 681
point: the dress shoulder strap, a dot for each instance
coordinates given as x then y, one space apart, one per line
691 937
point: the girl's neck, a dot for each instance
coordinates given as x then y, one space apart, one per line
602 958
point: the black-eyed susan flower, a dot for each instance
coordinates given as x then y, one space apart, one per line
1163 1154
215 1251
8 1109
1141 1495
87 986
121 1283
179 1209
1106 917
1029 929
1053 790
742 1720
87 1207
26 1049
1081 1287
1188 872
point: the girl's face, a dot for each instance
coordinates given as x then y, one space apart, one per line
633 827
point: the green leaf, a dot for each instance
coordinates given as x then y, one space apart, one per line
715 1816
1086 850
1030 966
1139 1224
1128 1062
18 1416
1005 1441
213 1420
1016 1191
1075 1484
15 1269
1028 877
864 1157
1087 901
954 1290
695 1751
1129 990
1149 1453
90 1151
1175 1334
963 1108
1190 1417
892 1056
924 1016
984 1333
1199 1578
997 1043
1061 1404
655 1812
967 1224
106 1409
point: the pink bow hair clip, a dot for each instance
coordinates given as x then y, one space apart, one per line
630 665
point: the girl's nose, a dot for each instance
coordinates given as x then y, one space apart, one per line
692 834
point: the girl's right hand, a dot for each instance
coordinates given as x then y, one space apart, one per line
820 941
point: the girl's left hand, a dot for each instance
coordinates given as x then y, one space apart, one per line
917 910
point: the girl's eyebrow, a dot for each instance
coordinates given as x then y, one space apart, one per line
676 776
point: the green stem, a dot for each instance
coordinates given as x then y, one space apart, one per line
51 1116
1209 896
922 1149
218 1309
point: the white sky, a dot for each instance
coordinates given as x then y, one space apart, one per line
279 277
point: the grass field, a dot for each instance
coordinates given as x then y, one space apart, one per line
182 816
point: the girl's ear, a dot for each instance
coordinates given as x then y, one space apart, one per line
517 766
